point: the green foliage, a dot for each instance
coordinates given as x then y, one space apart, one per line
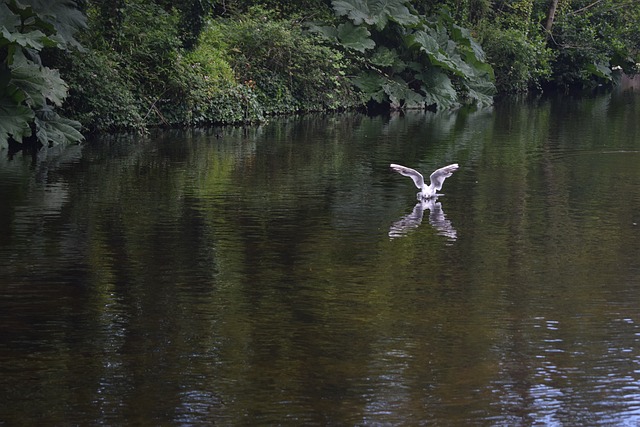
157 62
210 58
214 95
464 12
192 18
100 94
520 62
592 38
239 70
377 13
135 77
148 49
28 89
409 60
280 9
289 69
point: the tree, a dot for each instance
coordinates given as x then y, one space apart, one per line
551 14
30 91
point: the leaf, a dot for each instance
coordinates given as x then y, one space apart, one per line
375 12
14 121
33 39
392 10
37 83
56 89
325 31
385 57
424 41
395 90
371 84
356 10
440 50
462 36
347 34
401 95
600 70
64 19
8 20
480 91
438 88
356 38
53 129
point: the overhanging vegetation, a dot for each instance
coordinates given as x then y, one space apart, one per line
148 63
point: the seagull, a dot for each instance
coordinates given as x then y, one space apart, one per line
437 179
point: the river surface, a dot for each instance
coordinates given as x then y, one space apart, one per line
283 275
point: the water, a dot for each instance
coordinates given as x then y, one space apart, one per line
276 275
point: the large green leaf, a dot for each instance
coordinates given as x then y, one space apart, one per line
37 83
51 129
385 57
401 95
8 20
395 90
371 84
462 36
14 121
375 12
480 91
56 89
356 38
440 50
62 17
326 31
600 70
438 89
356 10
347 34
33 39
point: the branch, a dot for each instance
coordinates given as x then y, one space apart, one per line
589 6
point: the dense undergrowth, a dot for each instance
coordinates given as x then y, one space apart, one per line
135 64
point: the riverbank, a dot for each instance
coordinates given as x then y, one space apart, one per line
137 64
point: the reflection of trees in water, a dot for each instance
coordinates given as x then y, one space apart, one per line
196 278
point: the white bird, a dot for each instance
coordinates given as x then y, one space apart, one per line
437 179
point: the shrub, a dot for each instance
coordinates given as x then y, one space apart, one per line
289 69
520 63
100 97
214 95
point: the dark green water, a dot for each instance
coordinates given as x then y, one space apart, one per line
272 276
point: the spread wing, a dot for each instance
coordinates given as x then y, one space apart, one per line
437 178
416 176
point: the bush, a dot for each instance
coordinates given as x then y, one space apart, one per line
100 97
519 63
289 69
237 72
214 95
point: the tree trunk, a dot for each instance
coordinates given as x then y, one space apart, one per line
550 15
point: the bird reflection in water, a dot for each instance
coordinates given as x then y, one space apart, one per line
437 219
